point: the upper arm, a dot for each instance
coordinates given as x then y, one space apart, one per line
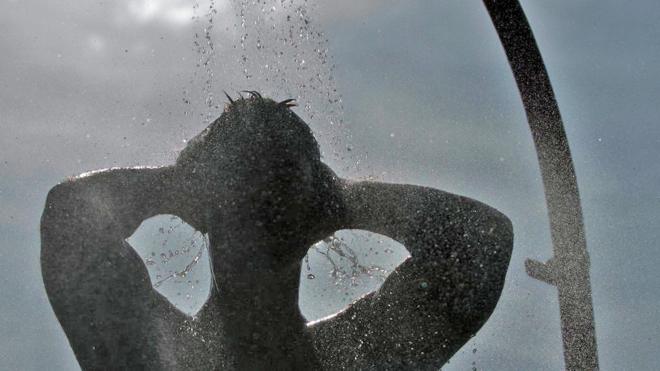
436 300
457 245
96 283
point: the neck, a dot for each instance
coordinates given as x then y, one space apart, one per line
253 283
257 304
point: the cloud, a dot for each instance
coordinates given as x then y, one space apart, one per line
174 12
349 9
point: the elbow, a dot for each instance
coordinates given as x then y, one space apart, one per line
54 202
499 247
63 216
494 252
499 231
507 232
59 202
490 265
55 229
505 228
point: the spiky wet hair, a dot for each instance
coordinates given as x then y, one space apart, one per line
249 127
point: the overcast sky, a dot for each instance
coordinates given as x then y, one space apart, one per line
403 91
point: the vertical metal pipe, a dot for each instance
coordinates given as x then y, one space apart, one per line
568 270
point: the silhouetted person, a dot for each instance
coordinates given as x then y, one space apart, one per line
253 181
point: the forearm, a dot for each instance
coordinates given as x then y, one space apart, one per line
121 197
419 217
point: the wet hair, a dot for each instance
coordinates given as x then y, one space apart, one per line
252 131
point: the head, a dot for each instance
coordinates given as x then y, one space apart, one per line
258 153
253 138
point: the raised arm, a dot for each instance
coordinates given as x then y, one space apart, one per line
436 300
96 283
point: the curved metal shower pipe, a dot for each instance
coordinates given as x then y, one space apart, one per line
568 270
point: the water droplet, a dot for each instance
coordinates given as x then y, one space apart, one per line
310 276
